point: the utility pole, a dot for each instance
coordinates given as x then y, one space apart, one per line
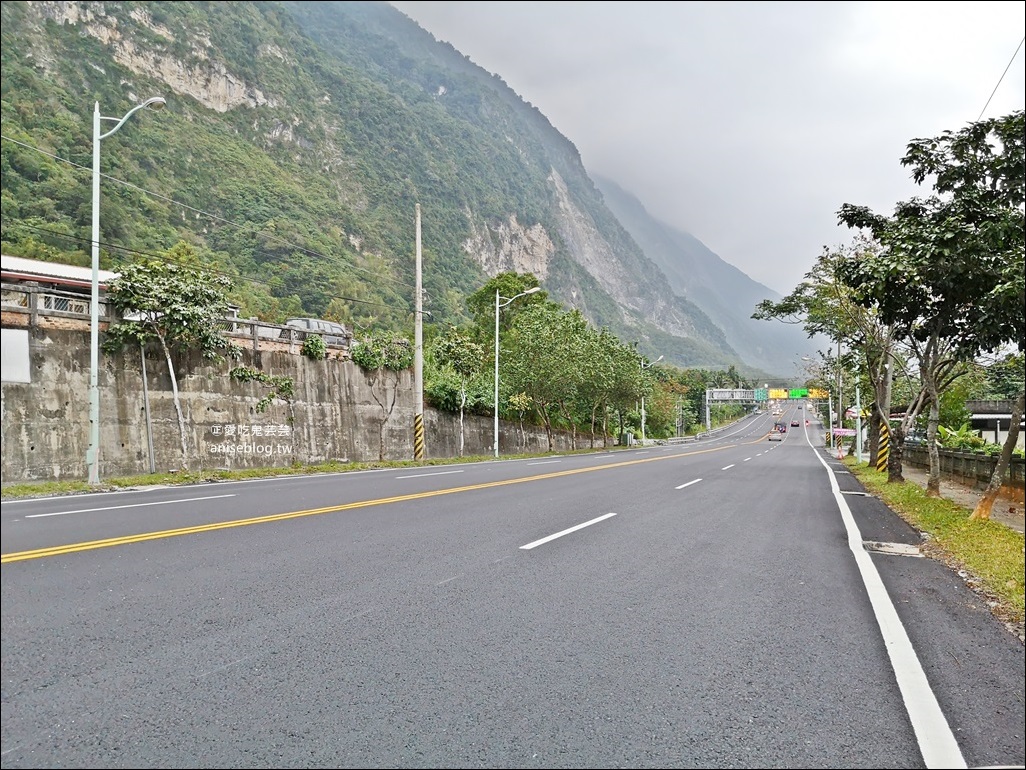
858 424
418 357
840 401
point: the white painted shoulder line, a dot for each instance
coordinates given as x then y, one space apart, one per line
133 505
432 473
937 743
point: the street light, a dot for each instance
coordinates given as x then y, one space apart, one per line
645 366
532 290
93 453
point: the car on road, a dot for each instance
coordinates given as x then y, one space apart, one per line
779 429
795 424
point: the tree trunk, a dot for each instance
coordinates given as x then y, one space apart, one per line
997 478
933 484
605 425
548 424
463 402
934 366
564 410
894 458
178 403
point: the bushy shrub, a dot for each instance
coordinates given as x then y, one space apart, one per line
314 347
387 350
964 440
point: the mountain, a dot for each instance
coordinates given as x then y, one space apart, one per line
719 289
298 140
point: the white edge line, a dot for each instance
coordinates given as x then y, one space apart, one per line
544 540
132 505
937 743
220 483
421 475
688 484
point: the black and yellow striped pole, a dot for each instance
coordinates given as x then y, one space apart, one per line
884 448
418 436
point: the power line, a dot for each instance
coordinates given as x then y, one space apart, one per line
214 217
164 259
1017 49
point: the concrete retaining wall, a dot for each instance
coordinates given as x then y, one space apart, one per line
339 413
970 468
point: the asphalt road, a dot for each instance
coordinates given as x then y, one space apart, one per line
727 603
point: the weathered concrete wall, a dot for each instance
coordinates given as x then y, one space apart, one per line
971 468
340 413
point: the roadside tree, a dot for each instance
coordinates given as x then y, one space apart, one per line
824 306
949 275
458 353
176 304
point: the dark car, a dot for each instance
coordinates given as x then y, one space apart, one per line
333 333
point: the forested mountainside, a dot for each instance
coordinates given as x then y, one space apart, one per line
297 141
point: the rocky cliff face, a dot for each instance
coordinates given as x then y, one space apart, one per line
510 247
208 82
570 242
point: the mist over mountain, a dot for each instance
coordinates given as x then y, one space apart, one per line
723 292
297 142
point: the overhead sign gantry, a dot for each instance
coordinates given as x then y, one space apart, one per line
757 395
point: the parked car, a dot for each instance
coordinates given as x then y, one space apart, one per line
333 332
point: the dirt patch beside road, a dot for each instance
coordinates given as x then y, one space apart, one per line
1011 513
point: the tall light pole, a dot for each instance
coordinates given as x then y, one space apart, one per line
93 453
506 301
645 366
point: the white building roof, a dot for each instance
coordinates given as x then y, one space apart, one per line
22 269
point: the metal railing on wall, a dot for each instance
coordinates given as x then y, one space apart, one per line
40 300
34 301
970 467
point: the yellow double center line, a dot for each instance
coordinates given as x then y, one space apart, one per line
90 545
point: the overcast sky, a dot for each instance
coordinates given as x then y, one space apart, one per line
749 124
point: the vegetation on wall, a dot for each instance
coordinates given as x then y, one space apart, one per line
314 347
279 386
176 304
